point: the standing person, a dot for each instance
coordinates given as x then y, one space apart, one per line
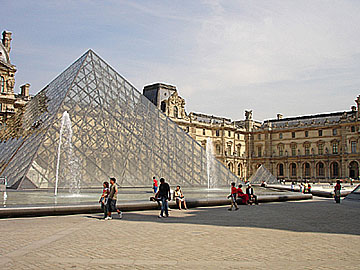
112 199
179 197
164 195
292 187
155 185
251 194
233 191
305 189
337 189
104 198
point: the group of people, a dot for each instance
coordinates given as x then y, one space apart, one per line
163 195
246 198
108 199
303 187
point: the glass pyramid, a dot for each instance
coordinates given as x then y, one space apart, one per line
117 132
263 174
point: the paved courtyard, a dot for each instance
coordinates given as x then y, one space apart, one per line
316 234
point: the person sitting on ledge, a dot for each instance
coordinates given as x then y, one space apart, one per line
179 198
244 197
252 197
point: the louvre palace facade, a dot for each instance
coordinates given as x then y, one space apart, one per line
9 101
319 147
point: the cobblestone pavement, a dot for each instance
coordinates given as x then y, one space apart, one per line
316 234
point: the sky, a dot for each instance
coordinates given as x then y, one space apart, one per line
224 57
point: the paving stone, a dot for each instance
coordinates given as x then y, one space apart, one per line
315 234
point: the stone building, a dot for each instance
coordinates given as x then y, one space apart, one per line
9 101
322 146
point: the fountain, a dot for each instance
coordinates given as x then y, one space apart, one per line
210 159
71 168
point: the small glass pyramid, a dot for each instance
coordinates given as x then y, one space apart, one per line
263 174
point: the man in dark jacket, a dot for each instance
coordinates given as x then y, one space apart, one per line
164 195
251 194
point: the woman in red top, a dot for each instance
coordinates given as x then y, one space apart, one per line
244 197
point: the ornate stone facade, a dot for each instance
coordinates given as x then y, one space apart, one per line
321 147
9 101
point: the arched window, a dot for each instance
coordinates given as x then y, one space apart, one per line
281 169
307 169
238 150
320 169
163 106
218 149
239 170
334 170
230 166
293 169
2 84
176 112
354 170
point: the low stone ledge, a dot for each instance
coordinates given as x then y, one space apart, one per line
319 193
133 206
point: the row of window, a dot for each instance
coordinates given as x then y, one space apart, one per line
320 133
334 167
306 133
228 150
293 134
217 133
239 171
293 147
320 169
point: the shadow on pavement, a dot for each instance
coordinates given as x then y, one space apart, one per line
318 216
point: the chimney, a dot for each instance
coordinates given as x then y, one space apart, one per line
25 90
6 40
279 116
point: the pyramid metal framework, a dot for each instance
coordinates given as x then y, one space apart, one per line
116 132
263 174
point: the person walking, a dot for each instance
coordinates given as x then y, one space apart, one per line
164 195
104 198
232 196
111 205
155 185
337 192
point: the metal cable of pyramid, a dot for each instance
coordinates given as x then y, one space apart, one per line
117 132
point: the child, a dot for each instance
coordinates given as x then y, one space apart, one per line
104 198
233 197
